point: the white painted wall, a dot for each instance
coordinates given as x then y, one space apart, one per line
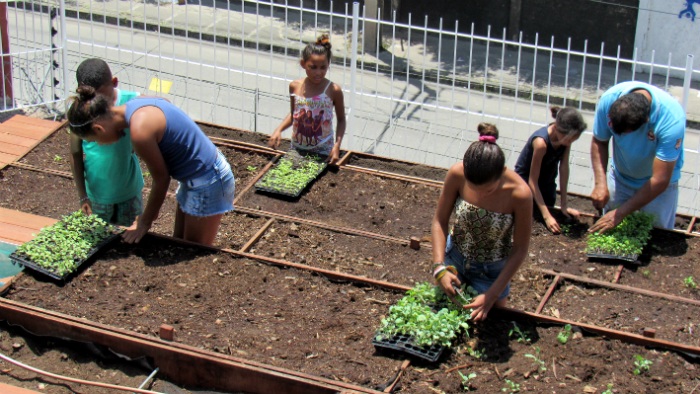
659 28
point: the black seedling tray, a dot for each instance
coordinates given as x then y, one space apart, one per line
600 255
298 159
30 264
404 343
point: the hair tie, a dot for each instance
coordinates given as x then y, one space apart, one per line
80 125
321 42
487 138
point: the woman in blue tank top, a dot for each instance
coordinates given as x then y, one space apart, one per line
172 146
546 155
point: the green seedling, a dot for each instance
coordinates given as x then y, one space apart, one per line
627 239
642 365
511 387
57 158
690 283
564 336
646 273
536 357
285 176
60 247
251 168
522 335
477 354
609 390
146 174
466 380
565 228
413 315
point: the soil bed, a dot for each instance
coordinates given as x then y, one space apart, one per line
351 199
243 136
345 253
240 307
397 167
620 310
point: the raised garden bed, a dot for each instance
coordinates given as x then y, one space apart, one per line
212 302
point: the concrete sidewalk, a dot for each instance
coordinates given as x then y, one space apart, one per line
259 27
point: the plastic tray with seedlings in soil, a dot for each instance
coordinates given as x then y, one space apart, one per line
603 255
60 249
292 173
624 242
404 343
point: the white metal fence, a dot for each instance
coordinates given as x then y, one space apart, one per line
412 92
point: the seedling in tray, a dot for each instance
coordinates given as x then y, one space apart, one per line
59 249
427 315
291 174
625 241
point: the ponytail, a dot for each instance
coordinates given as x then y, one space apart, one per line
85 109
484 160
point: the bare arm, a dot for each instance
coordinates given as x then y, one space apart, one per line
77 166
145 124
599 162
564 184
539 150
339 104
276 136
662 172
450 191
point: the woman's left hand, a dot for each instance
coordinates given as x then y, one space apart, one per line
482 305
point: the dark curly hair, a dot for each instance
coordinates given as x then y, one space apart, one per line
93 72
85 109
484 160
568 120
629 112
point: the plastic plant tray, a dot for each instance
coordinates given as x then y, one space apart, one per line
404 343
30 264
298 160
602 255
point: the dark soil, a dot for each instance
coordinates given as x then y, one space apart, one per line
243 136
346 198
346 253
52 153
674 321
399 167
238 306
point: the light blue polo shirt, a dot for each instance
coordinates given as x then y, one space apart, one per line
662 137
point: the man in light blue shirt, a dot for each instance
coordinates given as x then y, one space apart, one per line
647 126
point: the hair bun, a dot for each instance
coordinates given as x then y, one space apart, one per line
86 92
489 130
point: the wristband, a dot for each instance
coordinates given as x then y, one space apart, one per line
436 270
83 199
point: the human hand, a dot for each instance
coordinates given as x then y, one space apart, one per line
481 306
552 224
333 158
275 139
135 232
609 221
447 282
600 196
86 207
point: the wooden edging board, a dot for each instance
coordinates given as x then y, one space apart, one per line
182 364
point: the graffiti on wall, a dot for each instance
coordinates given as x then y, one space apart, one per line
689 12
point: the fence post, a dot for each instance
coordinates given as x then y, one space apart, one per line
6 86
686 81
353 71
255 111
64 54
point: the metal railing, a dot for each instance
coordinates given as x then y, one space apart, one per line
412 92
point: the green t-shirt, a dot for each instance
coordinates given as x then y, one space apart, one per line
112 172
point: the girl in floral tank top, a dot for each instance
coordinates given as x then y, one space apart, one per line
493 220
312 100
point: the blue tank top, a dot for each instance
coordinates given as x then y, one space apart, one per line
549 169
187 151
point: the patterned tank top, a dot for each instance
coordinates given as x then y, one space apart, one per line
312 125
481 235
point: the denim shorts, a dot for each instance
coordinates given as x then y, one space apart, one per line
121 214
480 276
209 194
